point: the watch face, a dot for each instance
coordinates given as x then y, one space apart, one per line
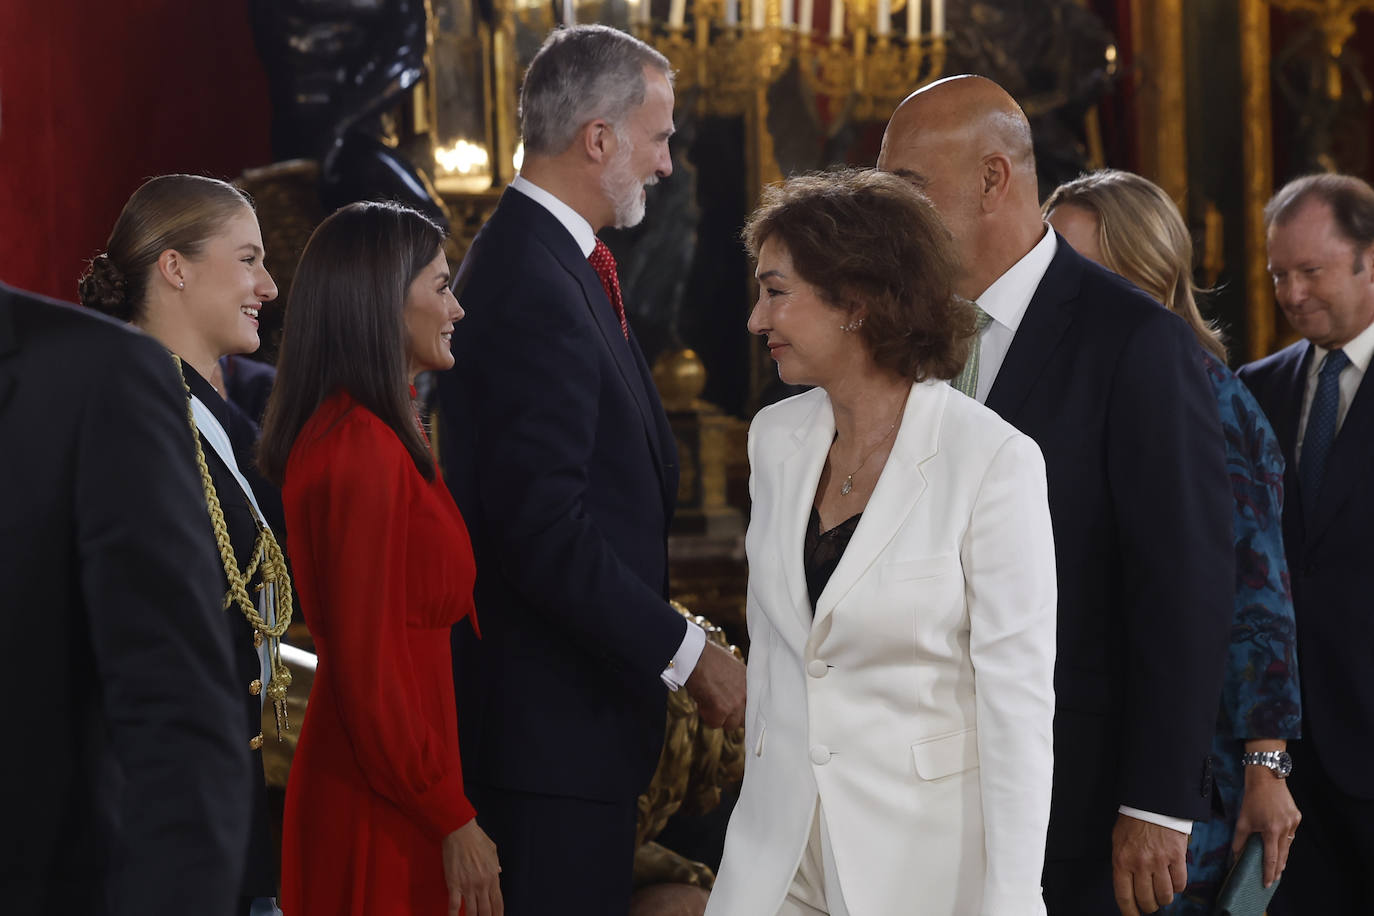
1285 764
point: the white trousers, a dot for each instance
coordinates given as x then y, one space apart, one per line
815 889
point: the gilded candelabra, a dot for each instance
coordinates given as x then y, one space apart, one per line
732 50
1335 19
724 62
863 70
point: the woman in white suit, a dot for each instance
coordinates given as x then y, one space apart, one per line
901 600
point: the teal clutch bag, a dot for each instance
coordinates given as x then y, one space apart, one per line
1243 893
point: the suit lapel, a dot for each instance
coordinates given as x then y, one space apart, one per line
1291 379
547 227
661 431
1349 459
798 475
1047 317
899 487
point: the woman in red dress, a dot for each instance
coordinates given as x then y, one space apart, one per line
376 819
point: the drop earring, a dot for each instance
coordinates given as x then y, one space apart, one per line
853 325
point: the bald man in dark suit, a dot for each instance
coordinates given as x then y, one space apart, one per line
1110 385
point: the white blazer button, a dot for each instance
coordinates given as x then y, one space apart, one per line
820 754
817 668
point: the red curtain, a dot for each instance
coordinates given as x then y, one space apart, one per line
96 97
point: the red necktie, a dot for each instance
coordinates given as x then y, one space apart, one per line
603 262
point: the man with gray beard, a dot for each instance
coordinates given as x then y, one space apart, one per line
558 452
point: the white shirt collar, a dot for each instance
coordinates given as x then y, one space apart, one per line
1360 350
1008 297
576 224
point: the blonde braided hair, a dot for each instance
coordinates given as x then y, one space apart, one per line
267 558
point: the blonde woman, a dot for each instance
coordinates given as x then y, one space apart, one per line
185 263
1130 226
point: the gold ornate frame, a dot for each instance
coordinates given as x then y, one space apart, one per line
1258 171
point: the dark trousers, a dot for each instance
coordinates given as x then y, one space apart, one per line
569 856
1079 887
1332 860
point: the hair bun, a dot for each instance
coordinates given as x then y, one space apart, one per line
103 288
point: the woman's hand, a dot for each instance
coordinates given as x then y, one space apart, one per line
1267 808
472 873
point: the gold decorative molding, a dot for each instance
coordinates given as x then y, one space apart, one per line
1162 94
1257 158
1335 19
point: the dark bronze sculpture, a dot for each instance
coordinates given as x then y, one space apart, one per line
336 69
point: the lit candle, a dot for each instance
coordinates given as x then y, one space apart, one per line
677 13
884 24
937 17
756 16
806 16
787 20
913 19
732 12
569 12
836 19
643 10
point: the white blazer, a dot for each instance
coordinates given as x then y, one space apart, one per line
918 703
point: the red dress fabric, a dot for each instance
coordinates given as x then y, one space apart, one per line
383 564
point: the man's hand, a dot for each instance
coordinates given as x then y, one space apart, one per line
472 872
1267 808
717 685
1149 865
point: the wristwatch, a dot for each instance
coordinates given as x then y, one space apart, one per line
1277 761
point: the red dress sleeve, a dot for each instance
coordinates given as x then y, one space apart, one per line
360 505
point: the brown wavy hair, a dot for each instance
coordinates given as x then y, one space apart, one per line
870 243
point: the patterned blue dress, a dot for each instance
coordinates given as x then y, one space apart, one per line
1260 698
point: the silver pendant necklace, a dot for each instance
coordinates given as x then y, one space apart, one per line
847 486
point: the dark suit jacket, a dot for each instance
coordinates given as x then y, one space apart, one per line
260 869
1330 546
123 790
1110 385
248 384
558 452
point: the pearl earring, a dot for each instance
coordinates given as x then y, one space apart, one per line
181 285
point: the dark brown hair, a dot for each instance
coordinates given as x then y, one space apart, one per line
1351 201
868 241
177 212
345 327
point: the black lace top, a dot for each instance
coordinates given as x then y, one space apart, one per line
823 550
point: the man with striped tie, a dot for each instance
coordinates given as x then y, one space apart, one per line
1321 256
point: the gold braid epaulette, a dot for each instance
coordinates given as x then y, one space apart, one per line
267 558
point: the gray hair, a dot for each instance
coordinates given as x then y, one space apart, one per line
581 74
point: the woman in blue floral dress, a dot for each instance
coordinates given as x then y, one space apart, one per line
1130 226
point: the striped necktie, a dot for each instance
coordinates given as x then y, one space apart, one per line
966 382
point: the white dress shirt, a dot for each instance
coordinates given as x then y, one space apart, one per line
1360 350
694 641
1006 301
